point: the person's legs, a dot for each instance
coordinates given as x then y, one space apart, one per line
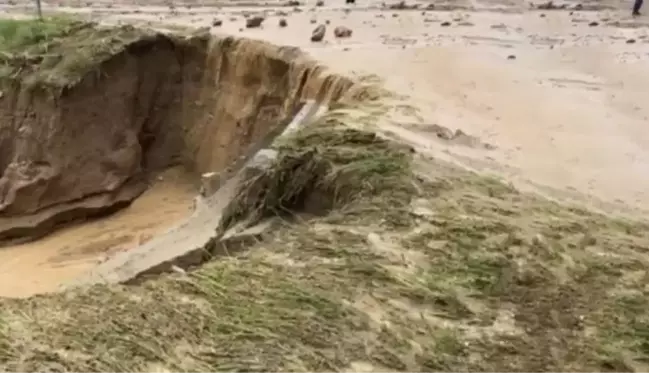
636 7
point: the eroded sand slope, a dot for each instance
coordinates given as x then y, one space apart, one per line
199 104
94 145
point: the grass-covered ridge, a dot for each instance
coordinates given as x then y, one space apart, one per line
418 267
58 51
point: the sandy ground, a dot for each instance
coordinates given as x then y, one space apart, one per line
556 94
43 265
555 99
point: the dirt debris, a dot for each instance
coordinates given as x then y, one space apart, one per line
318 33
342 32
255 21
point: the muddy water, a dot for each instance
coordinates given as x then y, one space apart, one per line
42 266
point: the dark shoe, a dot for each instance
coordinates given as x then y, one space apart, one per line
636 14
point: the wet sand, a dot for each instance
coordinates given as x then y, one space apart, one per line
41 266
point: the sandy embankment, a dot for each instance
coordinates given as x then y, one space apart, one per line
197 105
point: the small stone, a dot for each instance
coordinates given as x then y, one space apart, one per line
217 22
318 33
254 22
313 21
630 41
342 32
282 22
593 24
511 57
319 3
445 24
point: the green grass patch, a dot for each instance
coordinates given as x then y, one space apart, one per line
57 52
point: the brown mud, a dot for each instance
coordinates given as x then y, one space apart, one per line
160 102
85 138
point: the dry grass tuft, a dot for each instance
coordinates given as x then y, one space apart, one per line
322 168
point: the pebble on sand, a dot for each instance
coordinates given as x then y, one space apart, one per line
318 33
254 22
342 32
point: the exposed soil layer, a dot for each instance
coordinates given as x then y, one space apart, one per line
84 133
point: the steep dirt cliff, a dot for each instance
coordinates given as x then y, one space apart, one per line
86 125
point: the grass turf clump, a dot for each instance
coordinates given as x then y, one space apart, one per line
324 167
58 52
15 35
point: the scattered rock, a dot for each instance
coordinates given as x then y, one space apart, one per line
630 41
342 32
282 22
445 24
217 22
281 13
551 6
350 1
327 22
401 5
430 6
319 3
465 23
511 57
395 15
313 21
254 22
593 24
293 3
542 15
318 33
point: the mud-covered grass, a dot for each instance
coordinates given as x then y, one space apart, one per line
419 267
58 51
321 170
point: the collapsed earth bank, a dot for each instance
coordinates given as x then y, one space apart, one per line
91 116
